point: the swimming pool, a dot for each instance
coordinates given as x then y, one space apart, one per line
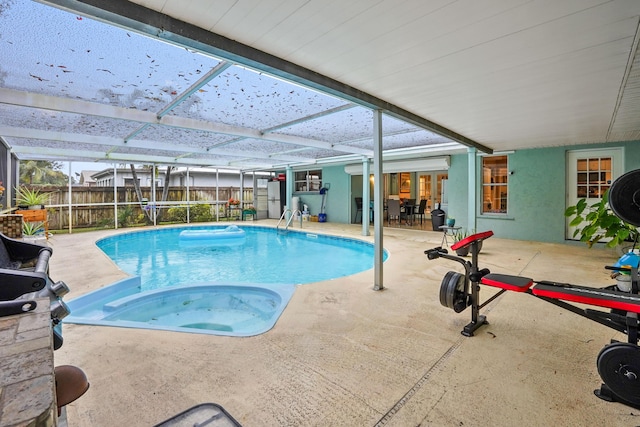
238 289
266 256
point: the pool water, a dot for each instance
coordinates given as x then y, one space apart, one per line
238 289
219 309
266 256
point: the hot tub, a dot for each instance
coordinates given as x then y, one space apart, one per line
219 309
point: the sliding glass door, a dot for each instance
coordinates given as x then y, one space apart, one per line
430 187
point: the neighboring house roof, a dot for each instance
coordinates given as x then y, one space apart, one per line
177 171
109 172
86 177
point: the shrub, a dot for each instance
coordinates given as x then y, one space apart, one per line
177 214
125 216
599 222
28 197
32 228
197 213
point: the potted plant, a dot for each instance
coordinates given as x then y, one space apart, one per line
461 235
451 221
249 210
599 222
31 199
32 230
479 242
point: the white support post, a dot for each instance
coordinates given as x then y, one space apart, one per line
217 195
378 248
365 197
187 197
9 184
289 187
473 177
153 191
241 196
115 195
70 202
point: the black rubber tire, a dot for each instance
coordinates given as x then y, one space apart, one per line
619 368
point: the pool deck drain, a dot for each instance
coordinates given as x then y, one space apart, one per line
418 385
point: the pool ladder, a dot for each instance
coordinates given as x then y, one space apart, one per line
290 220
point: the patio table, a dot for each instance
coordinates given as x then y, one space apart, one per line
447 231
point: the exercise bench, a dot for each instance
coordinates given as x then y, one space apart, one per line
618 362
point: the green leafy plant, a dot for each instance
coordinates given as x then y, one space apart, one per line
599 222
201 213
125 216
197 213
105 223
32 228
28 197
460 235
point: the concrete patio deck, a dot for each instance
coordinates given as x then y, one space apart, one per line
342 354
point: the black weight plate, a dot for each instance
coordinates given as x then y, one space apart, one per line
624 197
452 291
619 368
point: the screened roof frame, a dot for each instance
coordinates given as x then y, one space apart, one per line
209 120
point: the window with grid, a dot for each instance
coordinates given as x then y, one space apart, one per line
310 180
495 185
593 177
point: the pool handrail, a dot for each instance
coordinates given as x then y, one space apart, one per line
293 214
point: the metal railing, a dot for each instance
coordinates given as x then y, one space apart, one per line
290 220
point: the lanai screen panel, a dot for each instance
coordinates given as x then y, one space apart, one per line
52 120
354 127
183 137
46 50
149 96
243 97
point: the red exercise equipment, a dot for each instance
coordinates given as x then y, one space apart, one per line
618 362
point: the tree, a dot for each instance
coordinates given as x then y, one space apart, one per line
136 186
165 189
42 172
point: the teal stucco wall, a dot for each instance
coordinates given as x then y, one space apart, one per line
457 190
536 201
337 198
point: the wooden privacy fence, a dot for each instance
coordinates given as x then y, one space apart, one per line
94 206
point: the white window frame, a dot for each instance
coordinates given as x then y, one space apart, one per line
484 209
307 180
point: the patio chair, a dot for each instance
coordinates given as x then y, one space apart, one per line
421 209
393 211
409 210
358 210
